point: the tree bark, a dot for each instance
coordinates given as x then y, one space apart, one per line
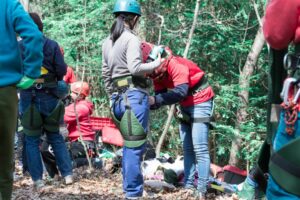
172 108
244 82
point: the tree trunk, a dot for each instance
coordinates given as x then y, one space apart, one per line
172 108
244 82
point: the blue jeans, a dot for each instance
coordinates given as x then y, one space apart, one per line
132 157
274 191
45 103
195 146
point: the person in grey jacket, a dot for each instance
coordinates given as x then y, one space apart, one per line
125 82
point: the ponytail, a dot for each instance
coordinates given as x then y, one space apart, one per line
118 26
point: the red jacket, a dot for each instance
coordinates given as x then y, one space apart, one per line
84 110
180 71
282 23
70 76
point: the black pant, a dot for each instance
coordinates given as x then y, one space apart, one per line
77 154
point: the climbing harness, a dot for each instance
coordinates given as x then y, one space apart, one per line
284 163
131 129
184 117
201 85
33 122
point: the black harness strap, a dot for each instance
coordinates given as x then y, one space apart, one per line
285 164
128 108
201 85
134 137
32 107
202 120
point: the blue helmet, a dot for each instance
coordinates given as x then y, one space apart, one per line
127 6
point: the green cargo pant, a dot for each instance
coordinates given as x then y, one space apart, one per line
8 122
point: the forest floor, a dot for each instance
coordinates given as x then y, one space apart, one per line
98 184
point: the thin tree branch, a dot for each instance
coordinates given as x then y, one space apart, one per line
161 26
172 108
188 44
257 13
82 78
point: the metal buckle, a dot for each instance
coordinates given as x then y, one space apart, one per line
285 90
39 86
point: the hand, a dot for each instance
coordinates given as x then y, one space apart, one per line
25 83
151 100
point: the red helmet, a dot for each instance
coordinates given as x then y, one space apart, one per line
80 87
146 50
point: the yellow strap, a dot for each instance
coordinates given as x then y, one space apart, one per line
44 71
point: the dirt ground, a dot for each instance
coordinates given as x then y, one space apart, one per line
99 184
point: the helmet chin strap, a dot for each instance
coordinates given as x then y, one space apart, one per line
135 19
130 24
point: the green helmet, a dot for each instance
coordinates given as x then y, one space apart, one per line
128 6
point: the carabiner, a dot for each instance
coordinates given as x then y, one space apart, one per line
39 86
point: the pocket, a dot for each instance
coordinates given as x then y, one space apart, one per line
32 121
52 121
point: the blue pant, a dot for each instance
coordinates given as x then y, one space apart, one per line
132 157
195 146
45 103
274 191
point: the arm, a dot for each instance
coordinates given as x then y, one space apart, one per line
59 63
70 76
134 59
32 41
175 95
280 22
106 74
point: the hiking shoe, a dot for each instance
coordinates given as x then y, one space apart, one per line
68 179
189 190
39 184
250 191
51 180
127 198
200 196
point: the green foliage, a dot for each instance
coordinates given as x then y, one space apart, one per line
222 39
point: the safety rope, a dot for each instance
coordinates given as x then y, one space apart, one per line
291 115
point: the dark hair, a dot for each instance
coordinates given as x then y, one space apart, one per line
37 20
118 26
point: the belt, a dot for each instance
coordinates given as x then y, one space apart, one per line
123 83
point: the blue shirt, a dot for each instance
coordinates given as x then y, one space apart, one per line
15 20
53 59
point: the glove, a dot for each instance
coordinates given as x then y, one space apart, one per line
25 83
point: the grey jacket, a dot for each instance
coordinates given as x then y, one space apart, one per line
123 58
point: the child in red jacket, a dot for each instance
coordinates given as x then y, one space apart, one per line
81 109
77 118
